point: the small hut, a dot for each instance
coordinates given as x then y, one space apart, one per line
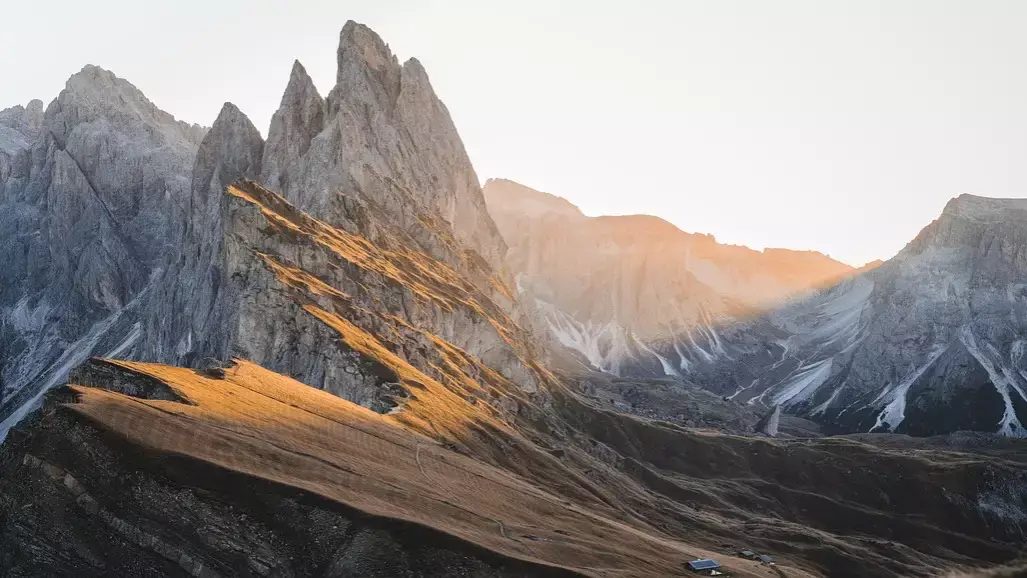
704 565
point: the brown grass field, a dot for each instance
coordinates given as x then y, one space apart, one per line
262 424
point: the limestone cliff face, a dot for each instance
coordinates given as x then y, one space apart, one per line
299 119
610 287
122 240
381 134
254 263
293 286
106 187
182 319
19 126
95 195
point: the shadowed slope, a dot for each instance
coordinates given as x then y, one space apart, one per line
930 342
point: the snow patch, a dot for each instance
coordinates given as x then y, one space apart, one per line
1009 424
820 409
895 412
716 345
741 389
26 319
130 340
695 347
668 369
801 385
683 361
603 345
76 354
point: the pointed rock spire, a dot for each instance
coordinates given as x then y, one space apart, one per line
361 47
299 118
368 73
25 120
232 150
34 112
383 134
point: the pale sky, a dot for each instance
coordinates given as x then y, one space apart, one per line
840 126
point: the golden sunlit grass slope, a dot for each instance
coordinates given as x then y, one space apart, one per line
262 424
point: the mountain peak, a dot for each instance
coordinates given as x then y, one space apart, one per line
298 74
359 45
19 113
525 200
301 86
19 125
230 115
987 209
92 79
231 150
300 117
94 93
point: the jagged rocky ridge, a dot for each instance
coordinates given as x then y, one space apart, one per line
381 133
372 295
95 200
19 126
119 254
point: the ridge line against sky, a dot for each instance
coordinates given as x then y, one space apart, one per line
842 127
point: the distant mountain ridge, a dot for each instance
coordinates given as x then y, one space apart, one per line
607 287
929 342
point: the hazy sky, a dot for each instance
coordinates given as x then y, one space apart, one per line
841 126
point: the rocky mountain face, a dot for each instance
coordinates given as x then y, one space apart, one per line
94 197
610 287
380 133
136 260
315 364
19 126
930 341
